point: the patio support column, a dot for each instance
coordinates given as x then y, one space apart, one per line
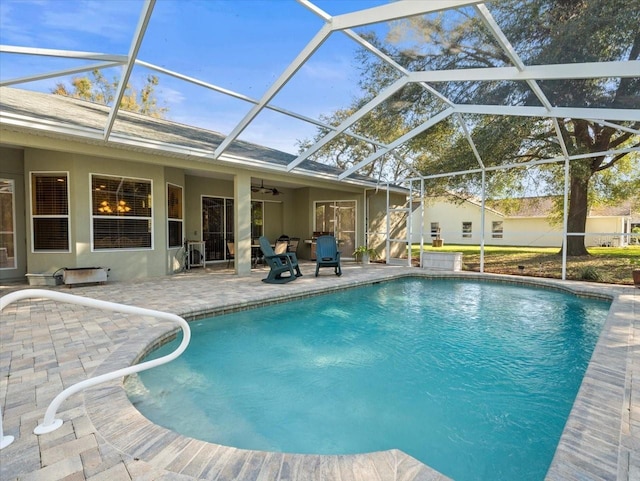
242 222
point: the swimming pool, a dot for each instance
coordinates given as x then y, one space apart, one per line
474 379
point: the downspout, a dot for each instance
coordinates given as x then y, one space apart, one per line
366 216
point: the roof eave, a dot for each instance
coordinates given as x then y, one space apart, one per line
95 136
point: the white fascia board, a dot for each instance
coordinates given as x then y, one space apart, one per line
78 133
48 52
58 73
394 11
43 125
587 70
630 115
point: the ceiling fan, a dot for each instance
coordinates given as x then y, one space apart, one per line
265 190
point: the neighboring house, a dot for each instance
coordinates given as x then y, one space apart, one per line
524 222
71 199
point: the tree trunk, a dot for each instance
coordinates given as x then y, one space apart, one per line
577 218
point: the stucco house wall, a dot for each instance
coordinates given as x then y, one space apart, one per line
60 134
450 218
531 231
602 227
291 213
124 264
377 224
535 231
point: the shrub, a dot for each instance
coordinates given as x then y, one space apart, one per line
590 273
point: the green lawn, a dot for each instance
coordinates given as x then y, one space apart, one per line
608 264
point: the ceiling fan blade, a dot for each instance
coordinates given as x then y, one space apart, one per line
265 190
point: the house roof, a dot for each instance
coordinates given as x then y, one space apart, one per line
542 205
523 207
65 117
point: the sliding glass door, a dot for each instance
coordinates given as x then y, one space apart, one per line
215 219
217 225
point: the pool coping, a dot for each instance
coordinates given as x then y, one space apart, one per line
598 441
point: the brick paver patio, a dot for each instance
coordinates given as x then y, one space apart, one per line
48 346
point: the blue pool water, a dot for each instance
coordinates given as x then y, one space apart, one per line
472 378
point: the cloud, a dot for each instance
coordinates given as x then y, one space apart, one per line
105 19
57 24
170 96
14 31
327 71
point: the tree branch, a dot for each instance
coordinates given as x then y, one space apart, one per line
615 159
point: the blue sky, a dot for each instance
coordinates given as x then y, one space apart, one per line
241 45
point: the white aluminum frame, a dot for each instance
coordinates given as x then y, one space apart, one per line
344 24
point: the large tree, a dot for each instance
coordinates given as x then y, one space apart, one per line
541 32
99 90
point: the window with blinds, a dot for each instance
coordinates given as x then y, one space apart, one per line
467 229
50 211
497 229
435 229
174 216
121 213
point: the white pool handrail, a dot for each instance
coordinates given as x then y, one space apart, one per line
50 423
4 440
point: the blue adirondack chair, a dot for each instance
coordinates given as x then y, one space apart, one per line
327 254
278 264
